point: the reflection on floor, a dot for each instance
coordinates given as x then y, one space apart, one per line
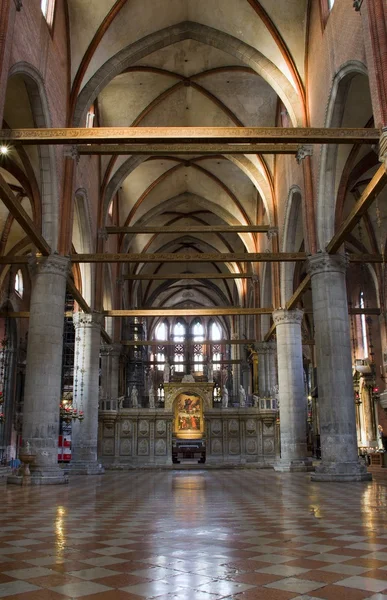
203 535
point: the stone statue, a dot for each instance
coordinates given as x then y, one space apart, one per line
210 372
255 401
224 397
134 397
151 398
242 396
120 402
167 371
188 378
224 376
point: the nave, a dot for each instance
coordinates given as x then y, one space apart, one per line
200 535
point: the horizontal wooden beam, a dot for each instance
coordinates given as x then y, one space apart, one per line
185 149
190 135
223 361
173 257
183 312
22 217
372 190
178 276
186 342
179 257
193 229
186 312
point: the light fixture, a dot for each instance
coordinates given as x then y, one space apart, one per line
4 150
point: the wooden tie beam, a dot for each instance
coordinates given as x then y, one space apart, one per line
192 229
192 148
178 276
186 342
172 257
191 135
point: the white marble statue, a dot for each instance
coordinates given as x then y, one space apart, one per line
224 397
167 371
255 401
242 396
210 372
188 378
151 398
134 397
121 402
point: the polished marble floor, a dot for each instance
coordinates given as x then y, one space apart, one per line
200 535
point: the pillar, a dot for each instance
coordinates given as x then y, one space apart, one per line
267 367
44 368
86 379
114 371
339 451
293 407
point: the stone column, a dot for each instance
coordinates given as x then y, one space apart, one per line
293 407
114 371
44 367
86 378
339 451
267 367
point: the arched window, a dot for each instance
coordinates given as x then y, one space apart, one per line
48 7
161 335
179 334
161 332
216 335
215 332
198 336
19 287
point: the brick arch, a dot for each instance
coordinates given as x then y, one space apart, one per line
201 33
49 191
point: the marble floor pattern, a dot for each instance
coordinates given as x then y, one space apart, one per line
200 535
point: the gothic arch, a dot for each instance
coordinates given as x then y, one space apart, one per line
293 215
49 191
201 33
326 194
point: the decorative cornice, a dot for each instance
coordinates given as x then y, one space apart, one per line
303 152
83 320
383 147
326 263
282 316
71 152
54 264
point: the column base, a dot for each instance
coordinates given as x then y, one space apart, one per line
344 471
86 468
294 465
42 476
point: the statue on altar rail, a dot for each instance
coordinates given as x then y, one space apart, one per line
134 397
242 396
224 397
167 371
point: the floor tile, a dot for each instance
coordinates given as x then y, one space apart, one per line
364 583
92 573
293 584
16 587
77 590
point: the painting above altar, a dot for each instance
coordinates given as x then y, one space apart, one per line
188 416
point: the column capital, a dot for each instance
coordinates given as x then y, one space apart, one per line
54 264
282 316
325 263
81 319
383 147
110 349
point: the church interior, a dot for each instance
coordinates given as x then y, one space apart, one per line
193 286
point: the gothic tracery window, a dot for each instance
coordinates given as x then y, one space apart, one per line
215 335
19 287
198 336
161 335
179 335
